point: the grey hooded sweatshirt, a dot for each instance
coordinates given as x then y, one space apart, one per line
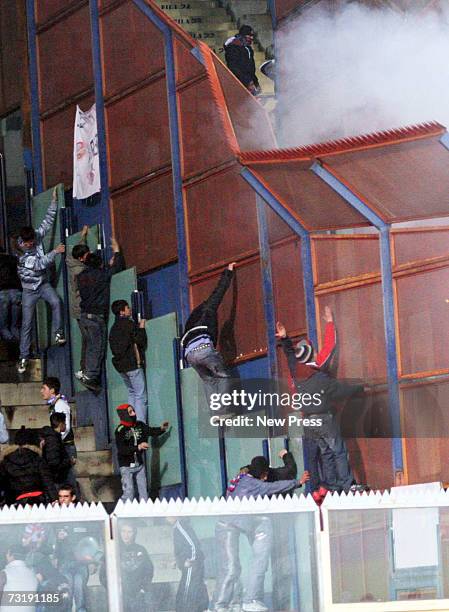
33 263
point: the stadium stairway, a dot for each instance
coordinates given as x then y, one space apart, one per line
214 21
22 404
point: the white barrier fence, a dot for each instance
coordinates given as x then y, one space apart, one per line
374 552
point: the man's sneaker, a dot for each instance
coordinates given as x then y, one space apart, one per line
60 338
91 384
254 606
79 374
22 366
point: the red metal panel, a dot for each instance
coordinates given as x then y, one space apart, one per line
284 7
45 9
424 419
204 145
57 144
148 244
187 66
65 60
250 121
423 313
224 228
397 179
421 244
361 340
314 203
241 315
13 50
138 133
288 288
125 30
371 461
338 257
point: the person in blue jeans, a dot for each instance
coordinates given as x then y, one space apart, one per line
10 298
32 268
128 342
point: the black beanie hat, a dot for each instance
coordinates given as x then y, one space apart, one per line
258 466
246 30
124 416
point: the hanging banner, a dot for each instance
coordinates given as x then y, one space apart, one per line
86 167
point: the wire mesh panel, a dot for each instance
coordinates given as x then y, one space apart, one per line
343 256
414 245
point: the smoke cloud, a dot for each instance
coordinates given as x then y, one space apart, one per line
361 70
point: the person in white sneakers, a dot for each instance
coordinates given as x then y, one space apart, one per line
75 262
32 269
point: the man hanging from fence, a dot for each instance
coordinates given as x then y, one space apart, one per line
321 442
32 268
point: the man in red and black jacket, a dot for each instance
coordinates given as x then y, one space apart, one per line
312 377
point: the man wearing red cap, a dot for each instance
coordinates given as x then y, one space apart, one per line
131 437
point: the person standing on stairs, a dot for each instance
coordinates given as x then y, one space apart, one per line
54 451
76 263
51 393
32 268
239 56
94 286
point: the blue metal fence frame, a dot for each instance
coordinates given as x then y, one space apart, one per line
175 144
387 299
34 91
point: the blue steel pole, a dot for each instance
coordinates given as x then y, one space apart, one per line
34 91
101 124
267 285
388 304
303 234
175 144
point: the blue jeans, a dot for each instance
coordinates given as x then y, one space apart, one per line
211 368
30 298
94 333
10 300
127 475
137 392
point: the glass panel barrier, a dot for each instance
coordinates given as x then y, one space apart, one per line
218 555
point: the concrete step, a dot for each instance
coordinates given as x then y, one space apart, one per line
199 13
94 463
217 26
85 439
9 374
34 416
21 394
104 489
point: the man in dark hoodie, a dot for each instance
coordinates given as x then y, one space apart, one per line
258 530
200 338
311 376
136 570
26 476
131 438
239 56
54 451
128 342
94 286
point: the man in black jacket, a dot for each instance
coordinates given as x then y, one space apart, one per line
25 475
239 56
131 438
136 570
128 342
54 452
200 338
10 298
94 285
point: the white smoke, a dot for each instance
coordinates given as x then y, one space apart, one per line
361 70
